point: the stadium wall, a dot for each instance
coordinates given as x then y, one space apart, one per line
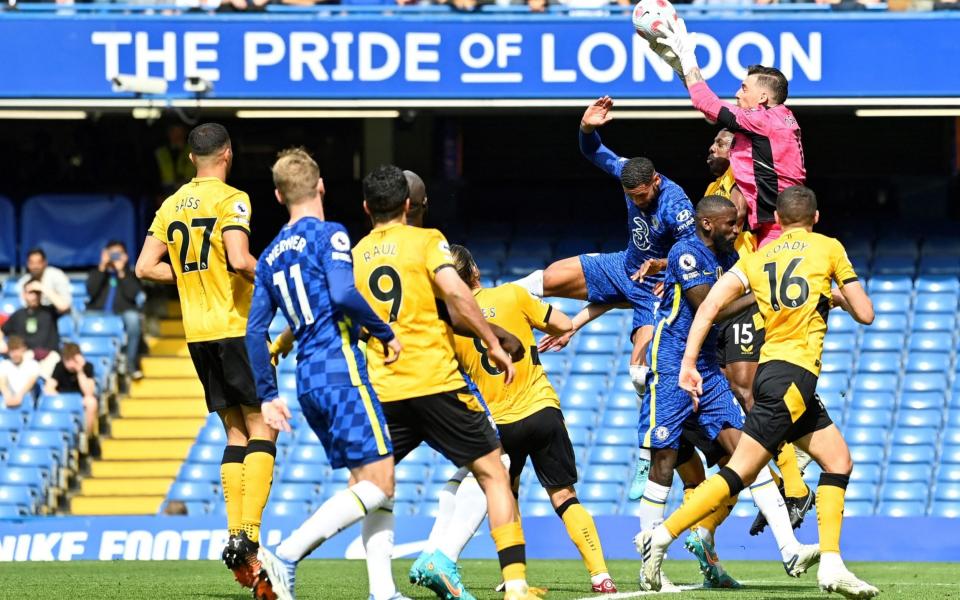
188 538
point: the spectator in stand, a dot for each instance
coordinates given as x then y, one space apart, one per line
173 160
55 290
74 375
113 289
18 374
36 324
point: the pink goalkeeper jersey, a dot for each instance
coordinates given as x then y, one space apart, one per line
767 155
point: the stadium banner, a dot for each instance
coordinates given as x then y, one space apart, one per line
475 57
201 538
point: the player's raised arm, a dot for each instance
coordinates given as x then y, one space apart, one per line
597 115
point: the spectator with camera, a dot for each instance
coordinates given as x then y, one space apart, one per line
113 289
18 373
55 287
74 375
36 325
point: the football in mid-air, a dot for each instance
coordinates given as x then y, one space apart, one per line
651 17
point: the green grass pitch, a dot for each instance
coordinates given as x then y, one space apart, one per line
346 580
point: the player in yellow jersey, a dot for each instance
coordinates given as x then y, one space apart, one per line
527 412
204 227
403 272
791 279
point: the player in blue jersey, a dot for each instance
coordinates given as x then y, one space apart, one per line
307 272
693 266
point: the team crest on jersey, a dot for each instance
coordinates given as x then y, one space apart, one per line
641 234
661 433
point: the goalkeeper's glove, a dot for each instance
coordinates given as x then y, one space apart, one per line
678 40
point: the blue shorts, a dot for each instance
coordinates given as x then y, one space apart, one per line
350 424
608 282
665 407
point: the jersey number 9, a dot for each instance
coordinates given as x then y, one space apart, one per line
393 294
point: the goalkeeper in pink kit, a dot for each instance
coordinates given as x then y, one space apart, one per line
767 154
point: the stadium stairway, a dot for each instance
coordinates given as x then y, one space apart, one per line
158 422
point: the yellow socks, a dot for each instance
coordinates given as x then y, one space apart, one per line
511 550
793 485
583 532
708 495
719 515
231 480
257 479
830 492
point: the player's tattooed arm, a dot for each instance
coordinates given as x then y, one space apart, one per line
693 76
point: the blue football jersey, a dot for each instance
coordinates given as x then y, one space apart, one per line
300 273
653 231
689 264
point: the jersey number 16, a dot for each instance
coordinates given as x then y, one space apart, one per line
781 286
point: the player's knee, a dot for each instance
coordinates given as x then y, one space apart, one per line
561 496
840 463
661 472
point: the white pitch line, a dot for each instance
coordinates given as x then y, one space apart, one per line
672 590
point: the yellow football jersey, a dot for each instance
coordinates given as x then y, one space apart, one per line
214 301
791 279
394 267
723 186
516 310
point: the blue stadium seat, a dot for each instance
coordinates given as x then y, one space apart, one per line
914 436
305 435
519 265
858 508
66 327
947 509
866 473
600 492
890 283
569 306
841 322
579 436
98 346
861 491
11 420
41 459
611 455
919 418
832 382
489 269
618 400
212 434
407 491
941 244
948 472
897 245
912 454
931 341
606 474
886 303
303 473
553 363
616 436
869 418
13 511
905 473
836 362
939 265
531 246
70 403
26 476
879 362
594 383
199 473
94 325
488 247
622 384
934 322
286 509
894 265
205 453
874 400
421 455
869 436
926 362
902 509
9 306
947 492
620 418
592 363
925 382
443 472
904 492
193 491
598 344
609 324
535 493
19 495
536 509
880 341
866 454
937 284
54 440
921 400
293 492
833 400
936 303
839 341
410 472
277 325
308 453
890 322
951 451
287 383
581 400
56 421
580 418
872 382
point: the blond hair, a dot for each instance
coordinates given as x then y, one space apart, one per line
295 175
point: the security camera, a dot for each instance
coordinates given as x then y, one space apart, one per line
197 85
155 86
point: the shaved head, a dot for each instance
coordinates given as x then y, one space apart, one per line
711 206
418 198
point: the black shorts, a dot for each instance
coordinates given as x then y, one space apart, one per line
543 437
692 437
224 370
444 422
740 337
785 405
